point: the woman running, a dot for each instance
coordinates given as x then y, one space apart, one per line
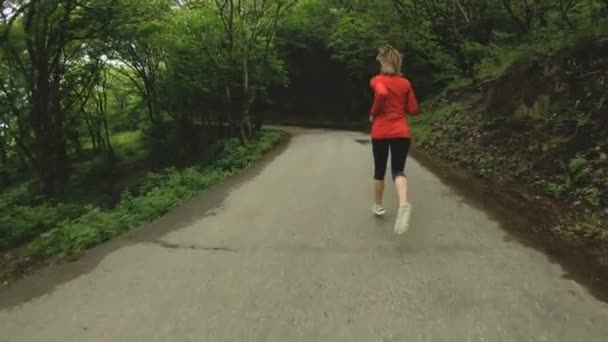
394 99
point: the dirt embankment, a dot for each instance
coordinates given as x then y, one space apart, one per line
540 131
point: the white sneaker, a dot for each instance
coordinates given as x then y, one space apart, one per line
378 210
403 219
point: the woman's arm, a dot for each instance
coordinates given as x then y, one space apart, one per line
411 106
380 93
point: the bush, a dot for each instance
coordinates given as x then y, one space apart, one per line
21 219
159 193
496 59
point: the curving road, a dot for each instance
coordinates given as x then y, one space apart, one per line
290 252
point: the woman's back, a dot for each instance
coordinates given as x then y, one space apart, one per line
394 98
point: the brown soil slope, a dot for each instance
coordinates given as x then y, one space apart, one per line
539 131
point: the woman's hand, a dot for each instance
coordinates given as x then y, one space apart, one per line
371 118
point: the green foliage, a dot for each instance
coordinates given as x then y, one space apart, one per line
499 57
424 128
589 227
158 193
474 53
20 220
573 173
575 181
142 85
459 83
130 64
355 40
567 122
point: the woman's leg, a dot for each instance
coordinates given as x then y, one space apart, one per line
378 192
380 148
401 184
399 152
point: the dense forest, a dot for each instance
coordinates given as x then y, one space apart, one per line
112 111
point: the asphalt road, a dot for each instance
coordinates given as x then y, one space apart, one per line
290 252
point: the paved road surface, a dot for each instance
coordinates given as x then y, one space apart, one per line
291 253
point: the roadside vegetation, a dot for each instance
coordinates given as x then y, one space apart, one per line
114 111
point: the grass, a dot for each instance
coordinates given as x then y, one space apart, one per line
62 229
423 125
459 83
129 144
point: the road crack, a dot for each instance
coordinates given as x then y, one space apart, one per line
170 245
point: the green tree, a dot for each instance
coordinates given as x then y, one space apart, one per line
249 30
138 46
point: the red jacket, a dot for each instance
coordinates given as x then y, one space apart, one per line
393 99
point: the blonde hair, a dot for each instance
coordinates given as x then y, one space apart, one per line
390 60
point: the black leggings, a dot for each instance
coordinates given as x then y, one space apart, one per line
399 148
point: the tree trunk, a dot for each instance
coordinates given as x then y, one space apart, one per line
90 128
151 99
46 118
108 140
22 164
63 163
247 101
244 137
4 177
42 125
230 114
63 166
74 138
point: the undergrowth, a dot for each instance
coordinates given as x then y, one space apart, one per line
77 227
496 59
450 131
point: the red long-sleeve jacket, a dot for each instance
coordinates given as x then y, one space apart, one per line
394 99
